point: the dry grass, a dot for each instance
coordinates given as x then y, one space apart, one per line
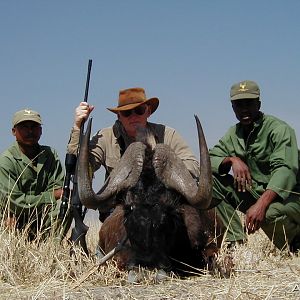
45 270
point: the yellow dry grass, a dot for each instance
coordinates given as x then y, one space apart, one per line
45 270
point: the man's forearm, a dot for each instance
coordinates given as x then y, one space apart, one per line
73 142
267 198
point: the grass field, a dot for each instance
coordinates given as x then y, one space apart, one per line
45 270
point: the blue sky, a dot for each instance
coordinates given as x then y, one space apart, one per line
186 53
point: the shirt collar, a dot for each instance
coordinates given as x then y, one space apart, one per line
18 154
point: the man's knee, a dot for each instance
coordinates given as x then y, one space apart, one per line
274 212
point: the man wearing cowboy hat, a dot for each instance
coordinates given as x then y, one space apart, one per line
133 110
31 177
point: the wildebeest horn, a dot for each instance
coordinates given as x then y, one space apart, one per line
172 172
123 176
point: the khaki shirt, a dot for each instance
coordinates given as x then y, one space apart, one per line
28 186
105 149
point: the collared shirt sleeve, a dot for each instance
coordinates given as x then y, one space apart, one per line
219 152
284 161
177 143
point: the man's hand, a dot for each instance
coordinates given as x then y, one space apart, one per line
82 112
57 193
241 173
255 215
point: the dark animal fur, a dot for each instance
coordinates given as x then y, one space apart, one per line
160 225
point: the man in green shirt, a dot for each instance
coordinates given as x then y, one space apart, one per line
262 154
31 177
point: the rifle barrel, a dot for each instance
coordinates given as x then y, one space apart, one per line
86 94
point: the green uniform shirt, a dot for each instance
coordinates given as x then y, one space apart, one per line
270 152
105 149
27 186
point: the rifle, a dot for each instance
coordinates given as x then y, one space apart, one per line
70 164
77 212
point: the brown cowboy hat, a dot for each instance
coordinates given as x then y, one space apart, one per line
133 97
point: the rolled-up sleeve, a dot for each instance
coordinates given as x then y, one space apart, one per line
73 141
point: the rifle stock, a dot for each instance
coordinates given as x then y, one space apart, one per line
79 230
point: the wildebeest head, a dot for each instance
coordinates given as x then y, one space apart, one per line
168 168
152 185
151 218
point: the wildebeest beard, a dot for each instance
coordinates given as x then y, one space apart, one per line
151 219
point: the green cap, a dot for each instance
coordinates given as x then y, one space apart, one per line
26 115
246 89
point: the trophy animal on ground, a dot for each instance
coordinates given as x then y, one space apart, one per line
159 209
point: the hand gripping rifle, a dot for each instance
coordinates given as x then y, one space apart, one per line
77 212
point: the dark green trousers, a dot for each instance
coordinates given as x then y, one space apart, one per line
282 221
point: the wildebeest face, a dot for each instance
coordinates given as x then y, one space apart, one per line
151 227
151 222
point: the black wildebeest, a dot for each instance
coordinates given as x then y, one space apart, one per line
158 207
